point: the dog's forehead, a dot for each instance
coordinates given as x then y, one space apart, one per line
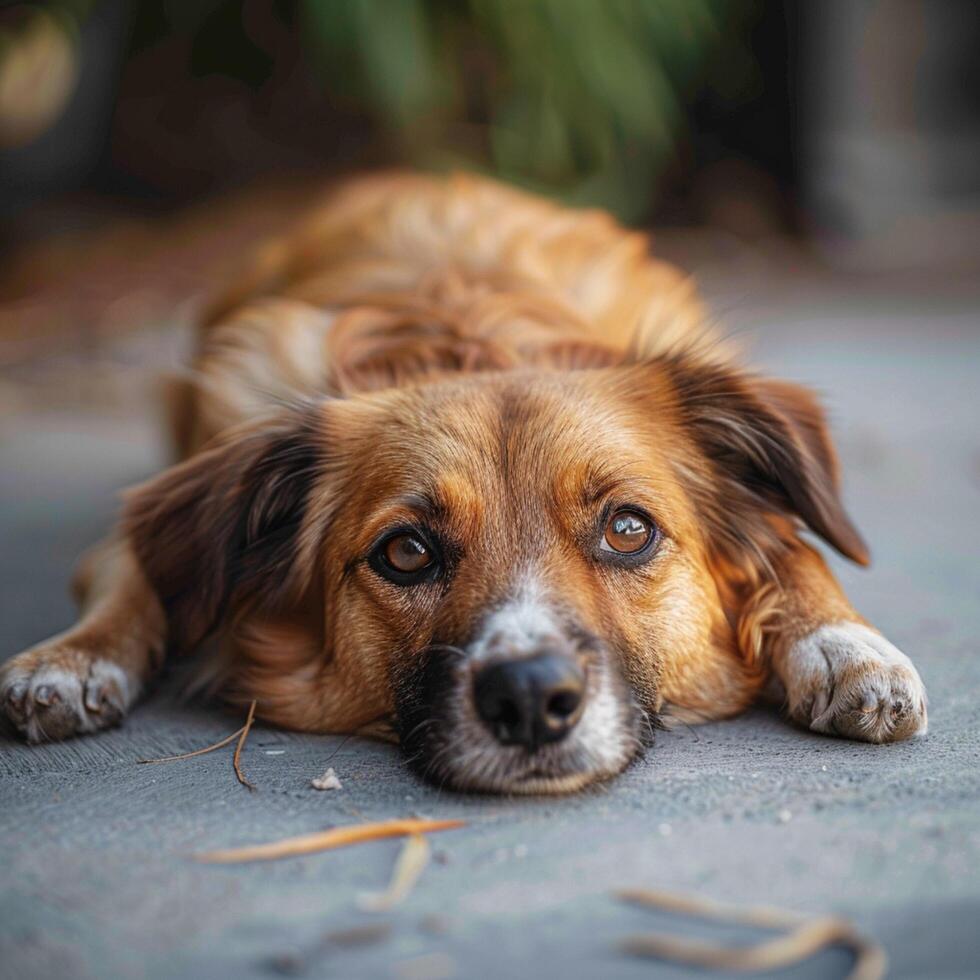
487 452
528 419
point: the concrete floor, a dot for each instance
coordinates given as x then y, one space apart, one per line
95 879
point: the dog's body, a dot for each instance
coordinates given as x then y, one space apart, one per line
463 459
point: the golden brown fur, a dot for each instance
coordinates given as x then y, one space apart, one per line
504 366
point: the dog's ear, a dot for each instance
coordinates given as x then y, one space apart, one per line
224 525
769 440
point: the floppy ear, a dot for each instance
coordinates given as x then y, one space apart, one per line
225 524
768 439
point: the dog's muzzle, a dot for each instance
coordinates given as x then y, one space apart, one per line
531 703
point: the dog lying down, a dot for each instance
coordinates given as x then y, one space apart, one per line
462 460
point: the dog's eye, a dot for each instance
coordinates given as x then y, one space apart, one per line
627 533
405 558
407 553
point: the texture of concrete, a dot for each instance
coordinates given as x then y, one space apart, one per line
95 876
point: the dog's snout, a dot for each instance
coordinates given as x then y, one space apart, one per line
533 700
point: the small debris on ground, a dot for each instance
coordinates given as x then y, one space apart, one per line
411 863
429 966
784 816
329 780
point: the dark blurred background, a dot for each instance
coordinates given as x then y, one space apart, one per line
141 142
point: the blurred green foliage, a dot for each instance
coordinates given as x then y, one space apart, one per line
580 98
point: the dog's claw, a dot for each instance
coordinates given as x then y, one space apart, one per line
95 697
869 704
46 695
16 694
15 703
103 697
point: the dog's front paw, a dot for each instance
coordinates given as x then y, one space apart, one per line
59 689
848 680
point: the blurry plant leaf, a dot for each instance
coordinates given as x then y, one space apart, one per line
390 49
583 98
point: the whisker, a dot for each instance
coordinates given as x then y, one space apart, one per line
426 722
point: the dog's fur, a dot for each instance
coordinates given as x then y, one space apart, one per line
453 355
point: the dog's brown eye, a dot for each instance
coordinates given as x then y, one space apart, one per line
627 533
406 553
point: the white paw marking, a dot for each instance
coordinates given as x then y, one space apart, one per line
848 680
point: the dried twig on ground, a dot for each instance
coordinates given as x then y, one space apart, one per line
807 937
327 840
227 740
237 757
241 734
408 869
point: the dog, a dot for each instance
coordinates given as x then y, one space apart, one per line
463 461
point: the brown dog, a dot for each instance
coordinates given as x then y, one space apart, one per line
465 460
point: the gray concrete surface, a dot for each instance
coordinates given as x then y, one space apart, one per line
95 876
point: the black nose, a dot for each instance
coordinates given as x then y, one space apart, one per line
531 701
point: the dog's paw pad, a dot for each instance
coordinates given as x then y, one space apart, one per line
849 680
52 692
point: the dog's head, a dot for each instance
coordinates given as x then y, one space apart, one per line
520 568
